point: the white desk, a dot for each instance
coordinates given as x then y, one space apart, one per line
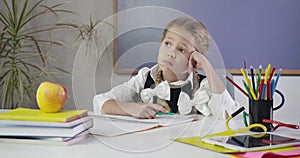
151 143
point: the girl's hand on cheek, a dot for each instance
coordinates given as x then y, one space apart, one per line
196 61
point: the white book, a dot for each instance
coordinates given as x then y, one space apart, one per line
19 130
45 140
114 125
48 124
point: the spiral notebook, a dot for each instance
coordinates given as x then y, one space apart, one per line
114 125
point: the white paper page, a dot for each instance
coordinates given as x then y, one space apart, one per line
164 120
113 125
115 128
168 120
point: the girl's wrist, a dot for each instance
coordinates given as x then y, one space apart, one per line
207 67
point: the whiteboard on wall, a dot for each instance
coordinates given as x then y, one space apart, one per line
255 31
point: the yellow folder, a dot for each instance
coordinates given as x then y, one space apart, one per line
196 141
26 114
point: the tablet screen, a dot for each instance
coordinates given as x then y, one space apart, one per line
267 140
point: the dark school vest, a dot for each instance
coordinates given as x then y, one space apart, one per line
174 92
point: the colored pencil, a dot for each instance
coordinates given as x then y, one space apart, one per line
269 90
237 86
252 77
247 88
263 92
250 89
249 84
258 80
261 84
273 85
269 70
265 83
272 73
244 73
276 81
245 66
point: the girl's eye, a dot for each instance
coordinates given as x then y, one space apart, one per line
181 50
167 44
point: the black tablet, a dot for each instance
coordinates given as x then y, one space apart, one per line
253 142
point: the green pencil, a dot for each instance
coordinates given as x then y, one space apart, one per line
258 79
247 89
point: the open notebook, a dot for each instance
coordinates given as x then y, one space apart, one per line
114 125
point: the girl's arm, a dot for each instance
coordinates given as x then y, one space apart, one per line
124 99
200 62
138 110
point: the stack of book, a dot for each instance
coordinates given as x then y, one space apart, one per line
33 126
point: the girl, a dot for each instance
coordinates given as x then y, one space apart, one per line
172 85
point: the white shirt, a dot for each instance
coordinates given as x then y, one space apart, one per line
206 102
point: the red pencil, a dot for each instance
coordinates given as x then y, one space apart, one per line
269 90
237 86
261 84
271 75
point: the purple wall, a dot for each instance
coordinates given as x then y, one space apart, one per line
260 31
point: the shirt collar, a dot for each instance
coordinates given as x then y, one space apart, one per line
154 71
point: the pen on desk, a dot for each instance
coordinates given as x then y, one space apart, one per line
252 77
164 113
237 86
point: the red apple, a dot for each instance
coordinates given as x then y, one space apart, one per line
51 97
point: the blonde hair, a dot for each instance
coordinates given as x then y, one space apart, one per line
196 29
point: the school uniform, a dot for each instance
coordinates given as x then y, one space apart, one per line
178 95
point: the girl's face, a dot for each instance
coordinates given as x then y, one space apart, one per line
174 52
